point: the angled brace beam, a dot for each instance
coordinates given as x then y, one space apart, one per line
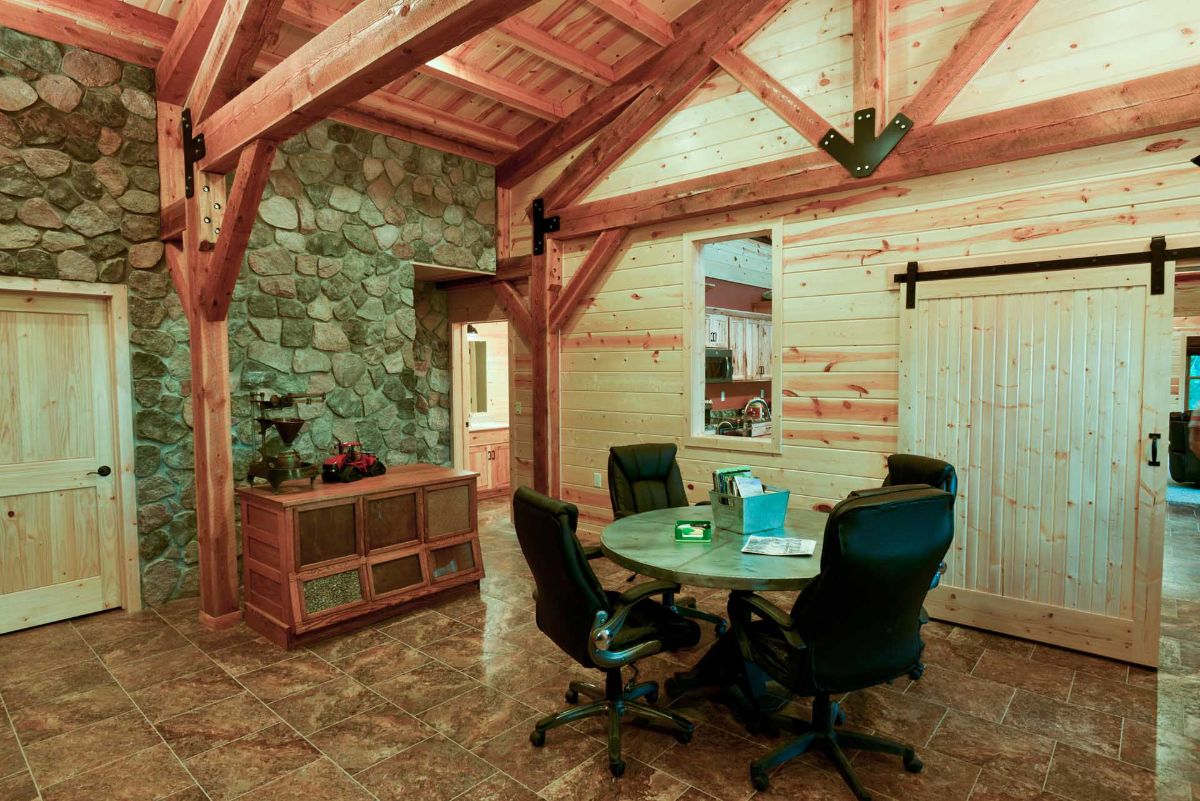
597 263
253 170
774 95
177 266
515 308
862 156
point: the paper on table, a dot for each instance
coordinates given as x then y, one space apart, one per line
779 546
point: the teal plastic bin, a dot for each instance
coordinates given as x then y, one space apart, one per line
750 515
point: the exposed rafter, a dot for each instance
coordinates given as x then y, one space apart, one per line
870 57
240 34
634 15
368 47
1142 107
532 38
774 95
183 53
68 28
972 51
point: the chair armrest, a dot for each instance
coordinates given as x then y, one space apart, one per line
604 633
742 606
937 577
702 503
640 592
593 552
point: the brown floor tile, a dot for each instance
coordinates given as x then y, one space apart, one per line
1037 677
47 647
193 793
1146 678
242 765
463 650
530 638
369 737
59 758
975 696
893 714
477 715
535 768
423 628
145 776
140 646
943 778
801 780
1085 776
344 645
208 727
160 667
11 759
69 712
250 655
550 695
326 704
104 629
995 787
320 781
282 679
592 781
1115 698
511 673
176 696
1012 753
446 771
954 655
209 640
23 688
382 662
992 641
498 787
19 787
425 687
1086 728
1085 663
1161 750
715 760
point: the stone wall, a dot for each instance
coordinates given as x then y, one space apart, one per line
326 301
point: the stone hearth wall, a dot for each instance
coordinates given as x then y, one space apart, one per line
326 301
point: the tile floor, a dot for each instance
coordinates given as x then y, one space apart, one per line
437 705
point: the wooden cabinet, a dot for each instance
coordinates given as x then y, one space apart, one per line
761 360
326 558
718 331
749 336
487 454
738 343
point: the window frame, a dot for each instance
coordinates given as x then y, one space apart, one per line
695 339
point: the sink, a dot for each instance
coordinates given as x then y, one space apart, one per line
757 429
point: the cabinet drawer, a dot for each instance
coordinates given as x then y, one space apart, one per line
324 594
445 563
392 520
396 575
492 436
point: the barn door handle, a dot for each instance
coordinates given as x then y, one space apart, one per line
102 471
1154 438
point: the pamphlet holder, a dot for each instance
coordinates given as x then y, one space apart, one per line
752 514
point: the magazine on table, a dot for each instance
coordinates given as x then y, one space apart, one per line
779 546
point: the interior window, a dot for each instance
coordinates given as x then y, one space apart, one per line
740 371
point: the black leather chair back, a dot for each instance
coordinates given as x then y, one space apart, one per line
860 618
906 468
568 593
642 478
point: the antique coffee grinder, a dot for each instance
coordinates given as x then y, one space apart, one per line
287 464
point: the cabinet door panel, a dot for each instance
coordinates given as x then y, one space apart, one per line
738 343
326 533
330 592
397 574
447 562
718 331
501 474
392 520
448 510
477 461
763 352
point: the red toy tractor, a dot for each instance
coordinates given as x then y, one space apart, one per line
351 463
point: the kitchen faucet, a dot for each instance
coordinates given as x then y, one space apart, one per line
751 402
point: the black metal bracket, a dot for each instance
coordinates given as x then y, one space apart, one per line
910 288
1158 265
193 151
862 156
542 225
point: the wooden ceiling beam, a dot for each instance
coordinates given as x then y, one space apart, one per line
1143 107
478 81
183 53
239 37
970 53
367 48
416 114
72 30
532 38
870 25
634 15
774 95
677 72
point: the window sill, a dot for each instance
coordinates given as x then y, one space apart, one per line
767 445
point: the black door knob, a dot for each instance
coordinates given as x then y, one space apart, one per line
102 471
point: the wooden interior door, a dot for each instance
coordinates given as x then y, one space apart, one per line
1043 391
60 518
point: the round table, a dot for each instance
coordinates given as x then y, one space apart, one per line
645 543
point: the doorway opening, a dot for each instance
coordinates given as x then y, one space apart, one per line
480 403
1181 547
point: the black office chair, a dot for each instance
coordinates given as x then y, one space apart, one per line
907 468
598 629
855 625
645 477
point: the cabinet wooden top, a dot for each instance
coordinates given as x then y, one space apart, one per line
406 476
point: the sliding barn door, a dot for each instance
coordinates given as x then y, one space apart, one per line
1043 390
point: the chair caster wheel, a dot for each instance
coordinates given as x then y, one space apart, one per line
617 769
759 779
722 629
916 672
537 738
912 763
684 737
572 697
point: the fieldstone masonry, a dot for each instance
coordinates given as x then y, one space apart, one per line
326 301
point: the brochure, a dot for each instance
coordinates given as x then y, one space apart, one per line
693 531
779 546
747 486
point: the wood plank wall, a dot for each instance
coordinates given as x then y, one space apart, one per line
622 370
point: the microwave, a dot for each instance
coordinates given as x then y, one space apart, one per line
718 365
